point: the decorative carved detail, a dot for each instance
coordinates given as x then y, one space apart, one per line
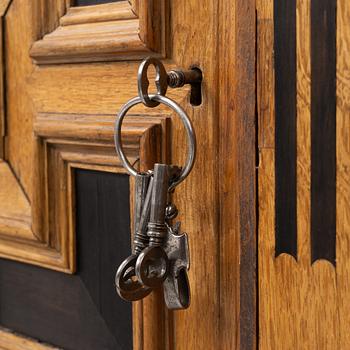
67 142
38 227
109 32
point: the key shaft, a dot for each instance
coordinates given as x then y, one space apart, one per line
156 226
143 194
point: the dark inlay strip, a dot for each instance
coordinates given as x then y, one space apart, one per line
323 130
285 127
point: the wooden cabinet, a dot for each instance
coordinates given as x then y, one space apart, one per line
66 71
266 206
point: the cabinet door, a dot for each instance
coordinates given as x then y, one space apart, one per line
65 220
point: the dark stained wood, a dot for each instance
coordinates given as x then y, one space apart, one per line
103 238
285 127
245 97
323 130
82 311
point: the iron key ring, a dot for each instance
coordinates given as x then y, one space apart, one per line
183 116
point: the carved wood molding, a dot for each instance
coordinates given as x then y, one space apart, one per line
39 229
67 142
108 32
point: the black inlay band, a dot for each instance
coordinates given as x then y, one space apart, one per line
323 130
285 126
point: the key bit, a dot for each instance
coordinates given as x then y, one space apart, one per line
127 285
176 286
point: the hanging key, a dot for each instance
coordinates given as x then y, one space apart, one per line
152 263
160 253
176 286
127 284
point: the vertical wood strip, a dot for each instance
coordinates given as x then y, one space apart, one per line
236 84
343 169
229 231
285 126
266 176
201 221
323 129
303 131
245 97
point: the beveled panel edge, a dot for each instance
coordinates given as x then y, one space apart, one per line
12 341
98 13
68 142
107 32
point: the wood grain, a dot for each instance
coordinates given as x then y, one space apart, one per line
15 210
12 341
265 73
4 4
245 99
198 220
229 242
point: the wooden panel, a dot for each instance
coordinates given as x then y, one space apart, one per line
81 311
103 230
303 305
106 32
53 208
15 211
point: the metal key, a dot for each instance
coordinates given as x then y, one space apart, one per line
176 286
127 284
152 263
